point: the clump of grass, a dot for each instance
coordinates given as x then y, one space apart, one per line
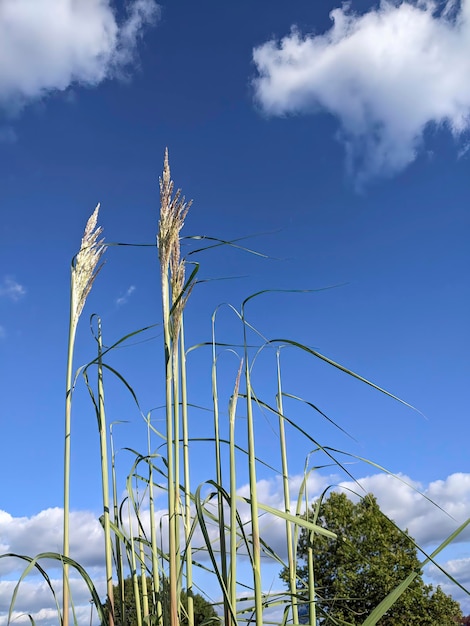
173 210
85 268
206 523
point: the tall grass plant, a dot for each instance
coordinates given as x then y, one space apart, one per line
211 529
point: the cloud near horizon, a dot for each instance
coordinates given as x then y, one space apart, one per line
426 523
405 501
386 75
83 43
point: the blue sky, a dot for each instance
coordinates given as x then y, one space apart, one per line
336 138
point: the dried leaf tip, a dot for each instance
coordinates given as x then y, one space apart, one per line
85 266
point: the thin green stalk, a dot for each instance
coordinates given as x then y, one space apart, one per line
176 453
153 536
133 566
285 482
143 578
84 270
105 480
117 540
174 618
233 499
253 487
68 413
312 608
218 469
187 484
311 584
173 210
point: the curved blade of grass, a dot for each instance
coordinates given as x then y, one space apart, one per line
33 563
324 449
243 537
188 285
315 408
345 370
200 514
295 520
265 291
386 471
223 242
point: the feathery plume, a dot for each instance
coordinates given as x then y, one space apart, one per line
85 265
172 215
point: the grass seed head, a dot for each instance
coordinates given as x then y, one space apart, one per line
173 211
85 266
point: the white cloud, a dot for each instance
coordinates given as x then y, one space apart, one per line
124 299
427 523
386 75
43 532
11 289
47 45
460 570
35 598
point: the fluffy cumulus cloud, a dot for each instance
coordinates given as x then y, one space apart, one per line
35 598
40 533
386 75
430 513
47 45
398 498
43 533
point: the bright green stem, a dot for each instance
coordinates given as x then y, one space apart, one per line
187 484
233 500
133 564
67 435
176 448
285 483
117 540
105 480
153 537
253 491
311 585
173 571
143 578
218 469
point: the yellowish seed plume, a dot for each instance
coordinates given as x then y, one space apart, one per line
85 266
172 215
173 211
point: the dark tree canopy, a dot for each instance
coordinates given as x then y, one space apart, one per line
369 558
204 612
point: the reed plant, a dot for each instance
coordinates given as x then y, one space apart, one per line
211 528
85 268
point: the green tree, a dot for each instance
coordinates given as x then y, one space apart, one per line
369 558
204 612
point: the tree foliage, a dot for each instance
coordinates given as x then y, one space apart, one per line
369 558
204 612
